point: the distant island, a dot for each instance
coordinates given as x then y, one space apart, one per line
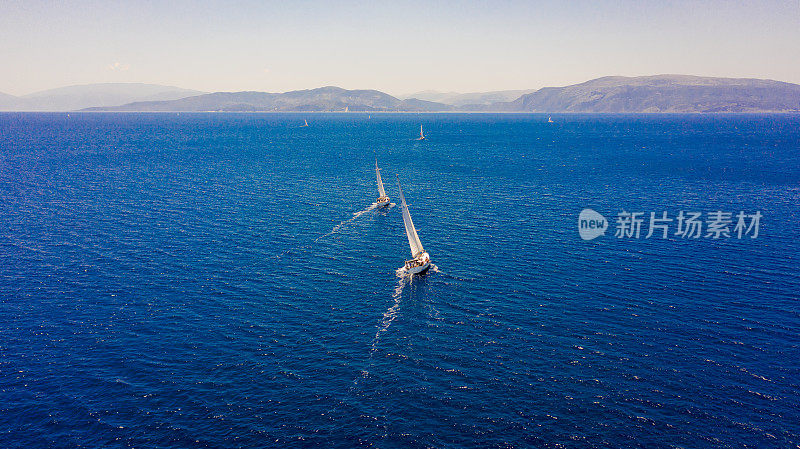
323 99
664 93
611 94
73 98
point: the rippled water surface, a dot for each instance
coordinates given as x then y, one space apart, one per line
222 280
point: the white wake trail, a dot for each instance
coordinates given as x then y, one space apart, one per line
350 220
331 232
388 316
390 313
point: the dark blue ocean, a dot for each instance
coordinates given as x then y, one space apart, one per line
221 280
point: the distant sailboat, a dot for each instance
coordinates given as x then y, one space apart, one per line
383 200
421 135
549 119
346 109
305 123
421 260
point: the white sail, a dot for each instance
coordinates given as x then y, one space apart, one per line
411 231
380 181
421 136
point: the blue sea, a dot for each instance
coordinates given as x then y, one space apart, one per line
223 280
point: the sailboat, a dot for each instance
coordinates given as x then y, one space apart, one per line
421 135
305 123
421 260
549 119
383 200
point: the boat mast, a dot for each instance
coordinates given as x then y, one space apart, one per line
411 231
380 181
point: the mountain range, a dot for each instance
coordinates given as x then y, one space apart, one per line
72 98
612 94
322 99
663 93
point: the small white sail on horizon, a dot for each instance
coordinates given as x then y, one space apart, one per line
421 135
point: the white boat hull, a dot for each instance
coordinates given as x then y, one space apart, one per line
382 202
419 269
419 264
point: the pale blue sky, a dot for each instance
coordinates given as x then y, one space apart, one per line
397 47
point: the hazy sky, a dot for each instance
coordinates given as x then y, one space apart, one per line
394 46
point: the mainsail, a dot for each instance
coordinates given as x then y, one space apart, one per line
421 136
411 231
380 181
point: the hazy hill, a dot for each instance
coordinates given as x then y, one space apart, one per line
474 98
662 93
8 102
322 99
415 104
72 98
431 95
